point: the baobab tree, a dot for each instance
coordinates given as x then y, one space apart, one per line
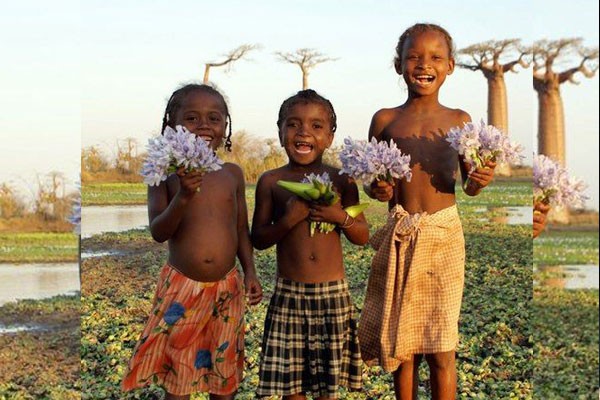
306 59
546 56
230 57
493 58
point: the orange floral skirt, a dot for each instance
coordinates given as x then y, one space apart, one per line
194 338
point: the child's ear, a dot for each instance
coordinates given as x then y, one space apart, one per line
398 66
330 140
451 63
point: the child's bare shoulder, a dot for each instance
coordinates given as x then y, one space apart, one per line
456 115
233 171
386 115
233 168
381 119
270 177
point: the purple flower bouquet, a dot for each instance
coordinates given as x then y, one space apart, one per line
371 161
174 149
553 186
480 143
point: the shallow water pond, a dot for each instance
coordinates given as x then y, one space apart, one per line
37 281
100 219
568 276
518 215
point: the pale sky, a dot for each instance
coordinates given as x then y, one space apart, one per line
97 72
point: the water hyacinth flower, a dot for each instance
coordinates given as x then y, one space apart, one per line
480 143
321 193
174 149
371 161
552 184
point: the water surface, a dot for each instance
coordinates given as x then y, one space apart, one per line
569 276
37 280
100 219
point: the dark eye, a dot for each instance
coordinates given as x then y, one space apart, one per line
215 118
317 126
191 118
291 124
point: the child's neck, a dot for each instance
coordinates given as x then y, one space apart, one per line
314 167
423 103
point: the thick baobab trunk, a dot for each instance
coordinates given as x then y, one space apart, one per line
498 112
551 138
551 126
304 81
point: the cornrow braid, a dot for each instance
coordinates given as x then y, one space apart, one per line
176 100
305 97
420 28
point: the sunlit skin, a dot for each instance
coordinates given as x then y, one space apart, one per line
282 218
204 218
540 214
419 128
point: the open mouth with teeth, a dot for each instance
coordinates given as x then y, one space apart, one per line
424 79
303 147
207 139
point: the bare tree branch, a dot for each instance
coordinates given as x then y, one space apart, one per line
230 57
306 59
547 54
488 56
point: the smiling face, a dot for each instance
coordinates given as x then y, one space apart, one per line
425 62
203 114
306 132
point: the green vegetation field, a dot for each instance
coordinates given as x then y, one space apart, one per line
102 194
38 247
565 322
566 248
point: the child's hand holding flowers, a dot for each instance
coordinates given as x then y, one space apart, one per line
540 211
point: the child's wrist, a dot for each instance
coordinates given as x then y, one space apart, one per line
348 222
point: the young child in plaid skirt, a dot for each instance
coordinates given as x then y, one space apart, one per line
310 339
415 286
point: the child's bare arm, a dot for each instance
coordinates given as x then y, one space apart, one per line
265 233
164 216
245 250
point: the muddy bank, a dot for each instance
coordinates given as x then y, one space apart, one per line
41 361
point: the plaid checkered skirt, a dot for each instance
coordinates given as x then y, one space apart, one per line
310 341
415 287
